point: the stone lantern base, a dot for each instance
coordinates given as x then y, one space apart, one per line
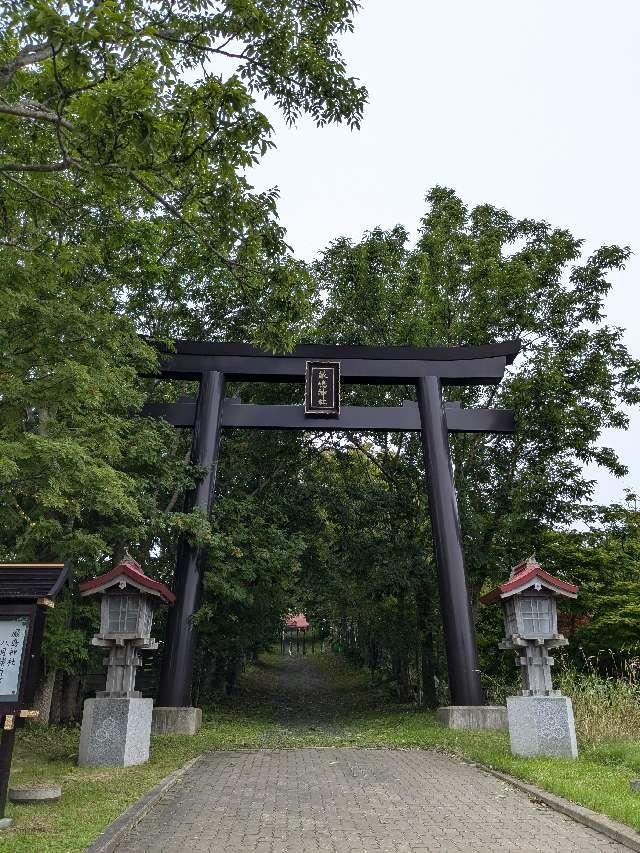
542 725
115 732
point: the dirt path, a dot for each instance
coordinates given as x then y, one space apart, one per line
301 695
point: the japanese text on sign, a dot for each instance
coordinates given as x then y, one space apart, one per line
13 635
322 396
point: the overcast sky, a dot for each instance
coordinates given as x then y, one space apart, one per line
531 105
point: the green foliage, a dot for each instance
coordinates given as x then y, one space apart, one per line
65 641
604 560
127 132
474 277
249 583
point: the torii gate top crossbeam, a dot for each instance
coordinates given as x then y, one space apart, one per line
467 365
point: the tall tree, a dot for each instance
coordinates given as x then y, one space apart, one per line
127 135
126 132
474 277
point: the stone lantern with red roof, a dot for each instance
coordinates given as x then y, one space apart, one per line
116 725
540 719
530 615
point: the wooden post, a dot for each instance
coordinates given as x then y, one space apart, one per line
177 665
6 753
462 655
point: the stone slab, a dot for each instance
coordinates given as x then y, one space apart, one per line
115 732
473 717
35 794
176 721
542 725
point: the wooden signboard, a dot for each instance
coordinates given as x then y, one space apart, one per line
16 634
322 389
27 590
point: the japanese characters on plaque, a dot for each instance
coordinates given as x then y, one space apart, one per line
322 388
13 635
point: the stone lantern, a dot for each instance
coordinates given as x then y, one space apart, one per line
116 725
540 719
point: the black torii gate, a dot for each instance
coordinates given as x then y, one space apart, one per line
428 368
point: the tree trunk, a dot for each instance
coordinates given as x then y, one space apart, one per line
70 699
429 694
233 675
44 695
56 698
404 685
400 669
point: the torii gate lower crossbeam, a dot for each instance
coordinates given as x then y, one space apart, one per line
428 369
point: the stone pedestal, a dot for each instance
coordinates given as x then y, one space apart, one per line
115 732
473 716
542 725
176 721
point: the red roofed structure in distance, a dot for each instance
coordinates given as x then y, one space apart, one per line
297 620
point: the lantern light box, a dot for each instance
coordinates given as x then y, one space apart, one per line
128 597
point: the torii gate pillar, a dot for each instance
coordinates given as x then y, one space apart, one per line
177 664
462 654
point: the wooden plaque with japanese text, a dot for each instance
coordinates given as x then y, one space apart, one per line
322 389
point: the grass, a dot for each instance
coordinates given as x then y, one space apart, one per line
330 704
604 708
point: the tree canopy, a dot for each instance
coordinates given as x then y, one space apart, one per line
127 137
358 501
127 132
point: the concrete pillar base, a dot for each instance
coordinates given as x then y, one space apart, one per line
176 721
473 717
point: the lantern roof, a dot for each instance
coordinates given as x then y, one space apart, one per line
296 620
127 573
525 575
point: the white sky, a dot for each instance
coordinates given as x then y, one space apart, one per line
531 106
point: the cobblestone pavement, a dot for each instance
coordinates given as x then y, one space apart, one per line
303 800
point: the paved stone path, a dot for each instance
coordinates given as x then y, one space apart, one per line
303 800
342 800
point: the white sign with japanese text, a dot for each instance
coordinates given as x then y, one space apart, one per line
13 635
